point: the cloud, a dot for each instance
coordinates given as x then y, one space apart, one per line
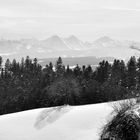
45 17
122 9
45 8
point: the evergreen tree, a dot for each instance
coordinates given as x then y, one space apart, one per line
83 68
28 63
14 66
35 62
50 66
0 63
48 75
123 73
22 66
138 72
59 67
116 73
7 68
102 72
131 72
69 71
2 73
88 72
77 71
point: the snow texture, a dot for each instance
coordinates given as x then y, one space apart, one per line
49 116
56 123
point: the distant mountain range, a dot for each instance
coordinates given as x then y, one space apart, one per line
56 46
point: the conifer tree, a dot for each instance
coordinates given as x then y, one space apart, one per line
59 67
131 72
14 66
102 72
0 63
138 72
77 71
123 74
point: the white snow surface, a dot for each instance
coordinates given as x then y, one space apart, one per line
56 123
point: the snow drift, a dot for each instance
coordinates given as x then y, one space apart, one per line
56 123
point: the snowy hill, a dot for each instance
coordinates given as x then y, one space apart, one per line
56 123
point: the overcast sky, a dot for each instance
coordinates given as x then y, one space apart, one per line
87 19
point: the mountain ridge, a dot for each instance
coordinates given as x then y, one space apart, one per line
55 46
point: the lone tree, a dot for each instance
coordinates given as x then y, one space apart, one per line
125 124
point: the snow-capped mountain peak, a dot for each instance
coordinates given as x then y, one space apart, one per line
74 43
104 39
55 46
55 37
55 43
73 38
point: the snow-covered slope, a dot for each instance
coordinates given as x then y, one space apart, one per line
58 123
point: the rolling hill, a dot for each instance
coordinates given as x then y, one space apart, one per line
61 123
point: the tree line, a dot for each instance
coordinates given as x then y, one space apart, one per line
27 85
